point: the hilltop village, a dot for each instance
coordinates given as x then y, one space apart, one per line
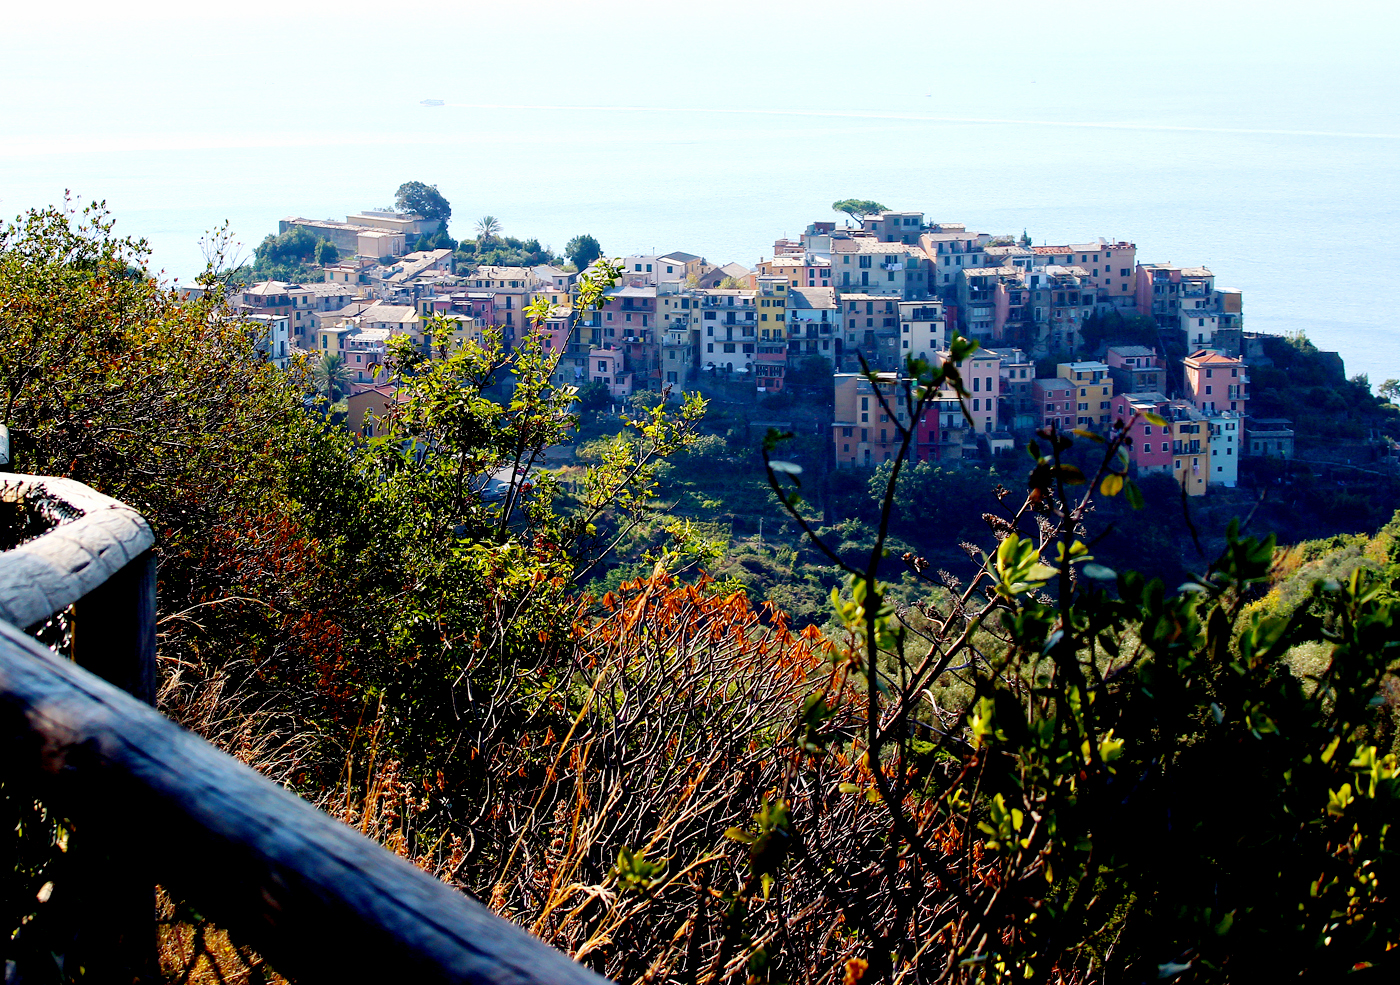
1073 335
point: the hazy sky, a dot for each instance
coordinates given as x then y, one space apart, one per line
86 75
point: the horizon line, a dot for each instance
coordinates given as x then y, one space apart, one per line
924 118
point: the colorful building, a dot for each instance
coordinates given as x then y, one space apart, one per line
606 367
1216 382
863 431
871 324
1226 446
814 325
1151 447
1110 268
922 329
866 265
950 249
1094 392
1018 402
729 329
981 376
1136 369
1054 399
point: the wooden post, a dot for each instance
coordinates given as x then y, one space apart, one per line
114 629
113 904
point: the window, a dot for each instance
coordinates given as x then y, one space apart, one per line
846 432
729 347
1166 447
1147 429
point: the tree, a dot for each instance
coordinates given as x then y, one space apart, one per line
296 245
594 395
1390 390
858 208
582 251
425 200
332 377
326 253
488 227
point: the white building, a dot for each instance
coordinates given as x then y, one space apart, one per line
1226 445
922 332
271 337
814 324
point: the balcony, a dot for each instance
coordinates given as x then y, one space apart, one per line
152 804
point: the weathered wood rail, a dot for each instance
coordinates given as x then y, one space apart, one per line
320 901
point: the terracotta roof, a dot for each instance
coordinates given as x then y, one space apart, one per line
1210 356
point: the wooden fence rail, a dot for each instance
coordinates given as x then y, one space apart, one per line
319 900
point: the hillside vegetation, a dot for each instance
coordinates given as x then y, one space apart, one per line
981 748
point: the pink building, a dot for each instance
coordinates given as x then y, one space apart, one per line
629 320
1055 400
1151 450
605 366
1111 268
1216 382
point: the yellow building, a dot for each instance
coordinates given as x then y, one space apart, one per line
1094 392
772 309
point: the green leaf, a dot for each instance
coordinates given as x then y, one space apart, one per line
1112 484
1099 572
788 468
1084 433
1134 494
1070 475
1152 418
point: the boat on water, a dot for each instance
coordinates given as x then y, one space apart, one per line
432 102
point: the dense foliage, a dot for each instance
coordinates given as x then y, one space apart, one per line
292 257
582 251
424 200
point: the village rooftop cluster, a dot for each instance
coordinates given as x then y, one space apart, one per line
837 299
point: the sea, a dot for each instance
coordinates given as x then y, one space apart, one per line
1301 215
